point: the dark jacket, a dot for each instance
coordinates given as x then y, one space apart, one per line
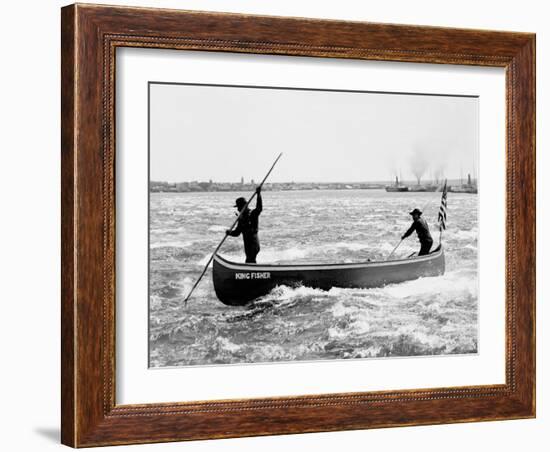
248 227
422 230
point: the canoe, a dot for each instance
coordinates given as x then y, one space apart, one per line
237 284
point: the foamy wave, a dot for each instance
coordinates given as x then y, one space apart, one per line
450 284
357 326
204 260
369 352
349 246
160 231
421 335
270 353
472 234
177 244
227 345
284 255
284 297
288 293
341 309
187 283
155 301
387 246
217 228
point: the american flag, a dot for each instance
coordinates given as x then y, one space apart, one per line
442 216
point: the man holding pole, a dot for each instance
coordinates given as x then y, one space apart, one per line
248 226
421 227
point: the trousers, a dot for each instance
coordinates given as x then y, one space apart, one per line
425 247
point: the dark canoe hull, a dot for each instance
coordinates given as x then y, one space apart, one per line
237 284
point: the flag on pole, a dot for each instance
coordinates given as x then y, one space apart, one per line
442 216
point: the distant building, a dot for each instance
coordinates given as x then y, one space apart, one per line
242 180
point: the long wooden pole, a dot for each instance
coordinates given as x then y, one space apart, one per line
394 250
231 228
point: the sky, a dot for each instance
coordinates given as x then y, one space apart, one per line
204 132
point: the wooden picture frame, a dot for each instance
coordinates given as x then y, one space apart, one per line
90 35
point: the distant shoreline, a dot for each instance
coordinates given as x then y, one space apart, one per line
251 189
268 189
205 187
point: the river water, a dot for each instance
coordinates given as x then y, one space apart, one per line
428 316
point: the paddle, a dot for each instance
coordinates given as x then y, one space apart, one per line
231 228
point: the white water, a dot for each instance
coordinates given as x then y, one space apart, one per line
426 316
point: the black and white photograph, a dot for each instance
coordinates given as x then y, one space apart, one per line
292 224
275 226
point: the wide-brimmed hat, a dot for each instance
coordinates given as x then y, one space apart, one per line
239 202
416 211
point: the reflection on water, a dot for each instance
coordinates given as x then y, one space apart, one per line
429 316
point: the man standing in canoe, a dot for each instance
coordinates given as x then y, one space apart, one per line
421 227
248 226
